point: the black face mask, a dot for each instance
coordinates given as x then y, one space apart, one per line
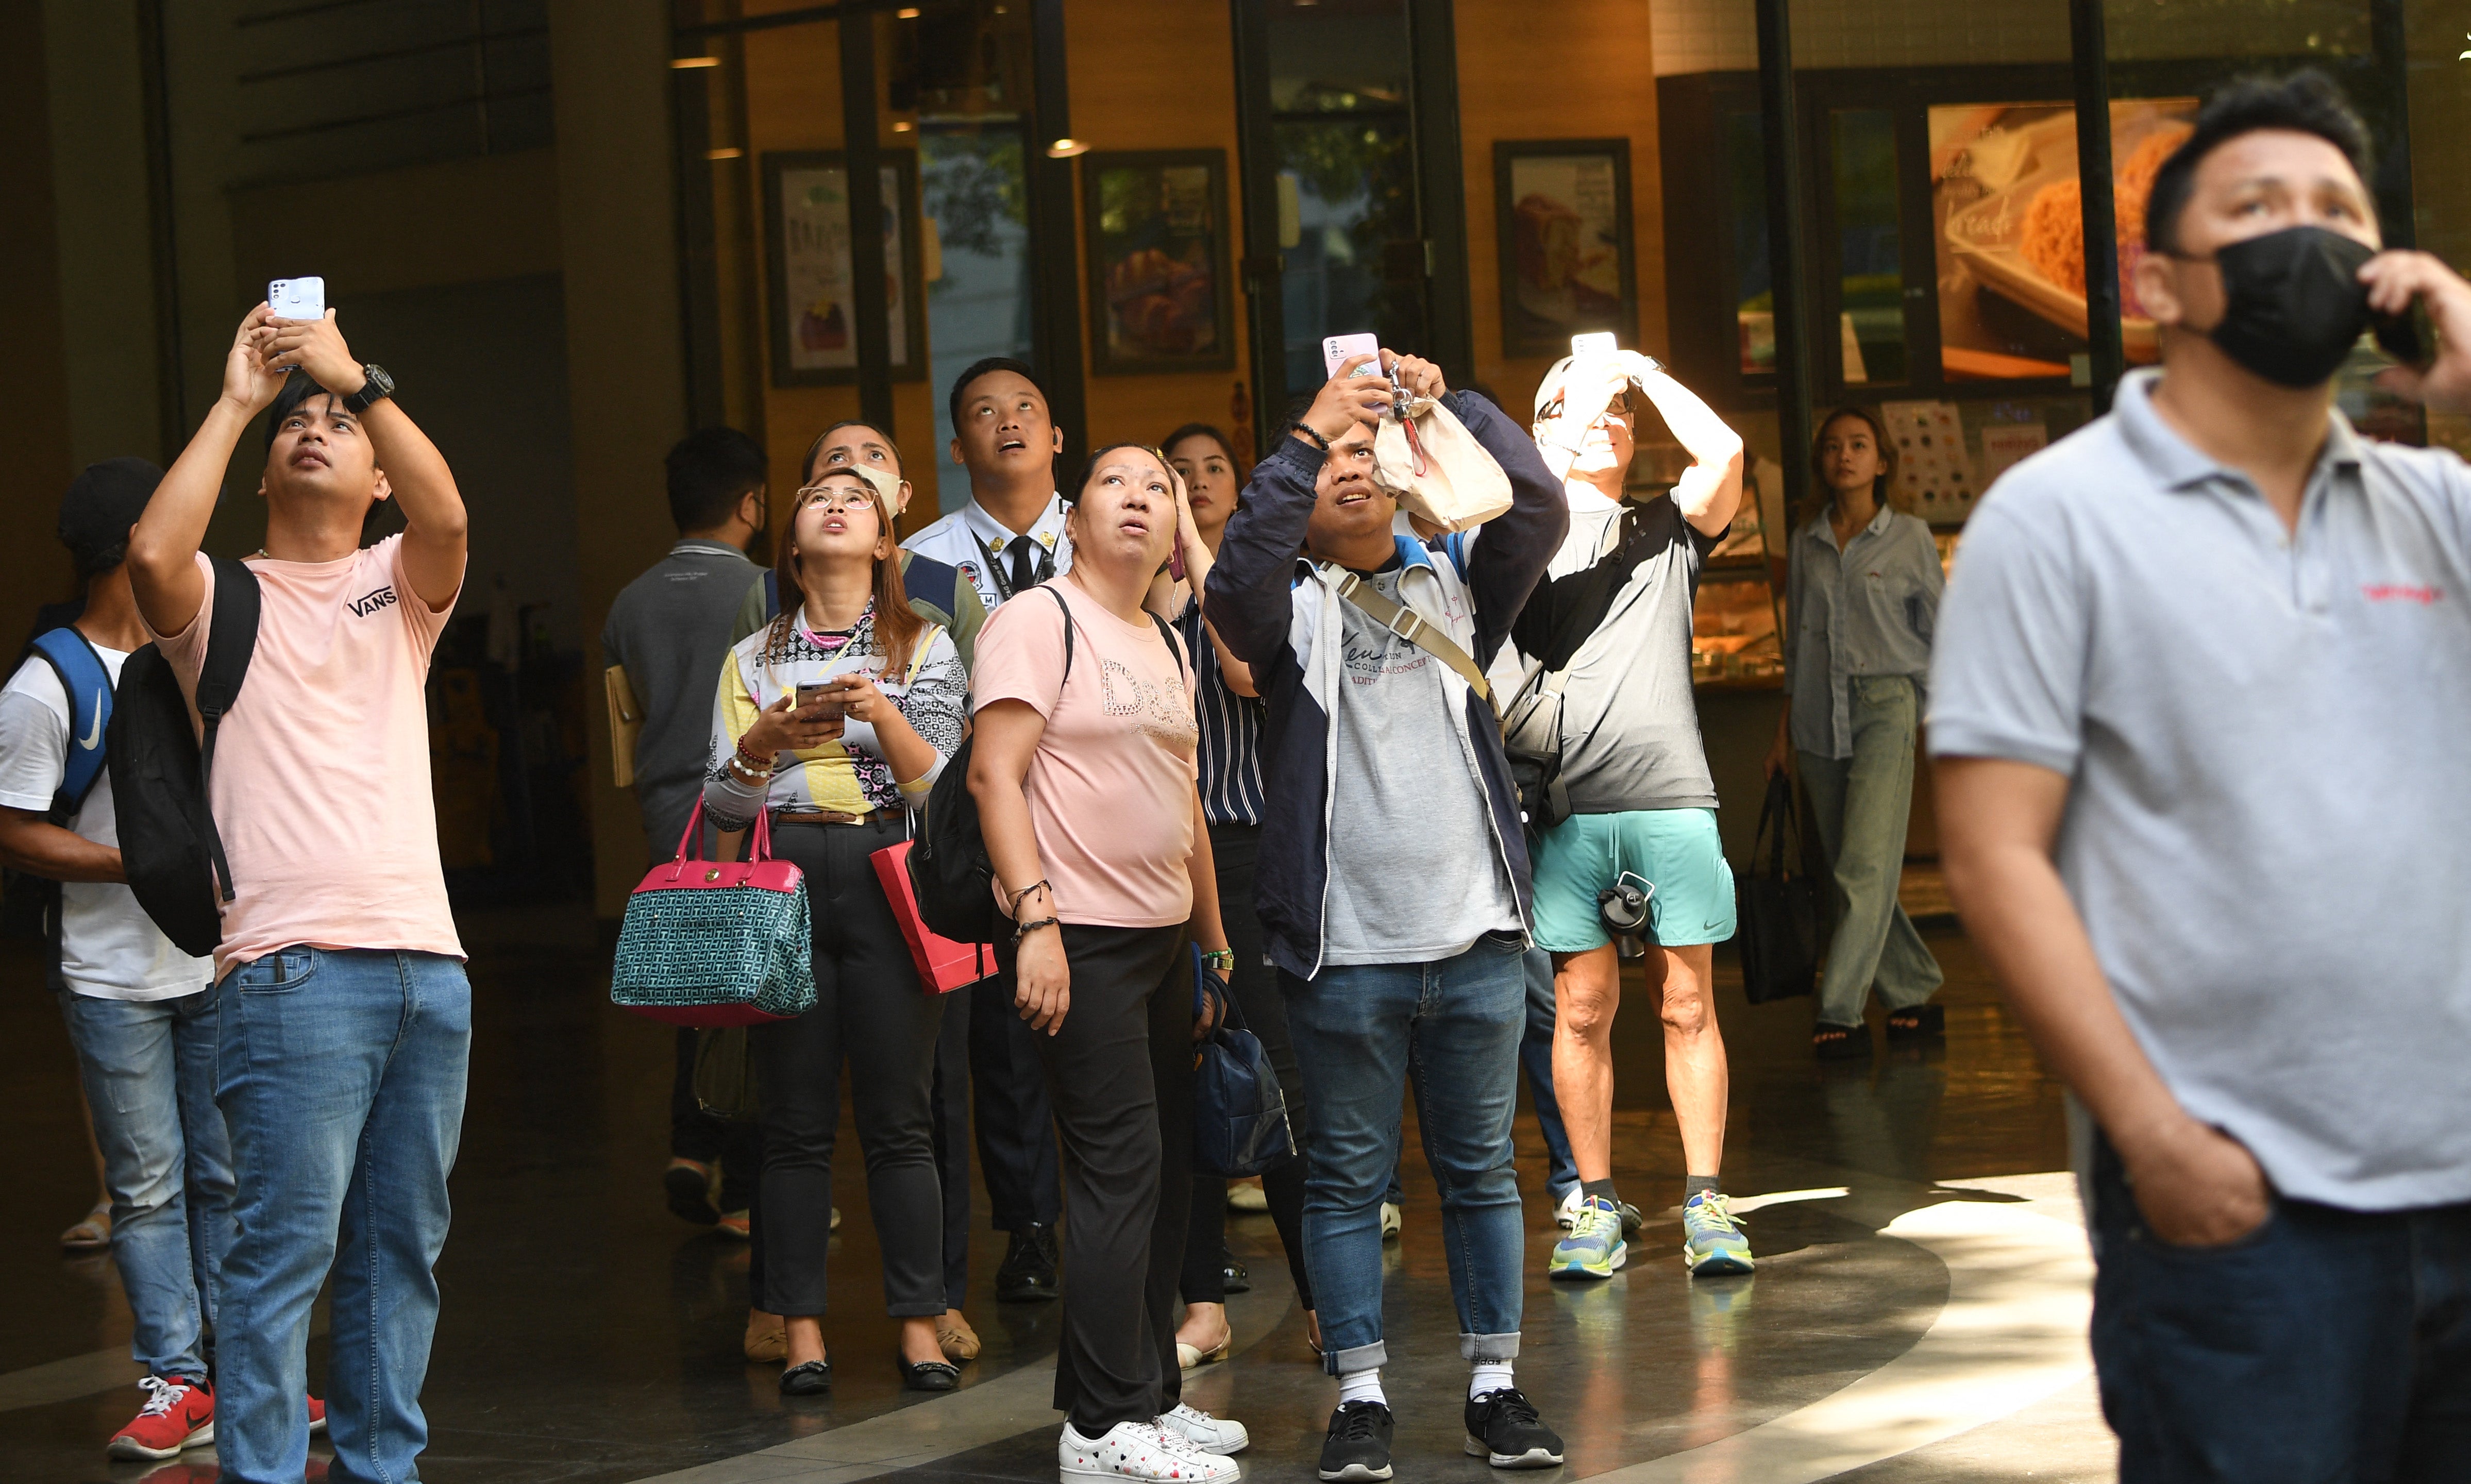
2294 303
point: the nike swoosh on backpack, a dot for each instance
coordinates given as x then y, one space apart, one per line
94 734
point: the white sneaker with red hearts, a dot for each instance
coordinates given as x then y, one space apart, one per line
1141 1451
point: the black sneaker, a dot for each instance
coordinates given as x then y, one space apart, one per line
1028 1270
1503 1430
1359 1444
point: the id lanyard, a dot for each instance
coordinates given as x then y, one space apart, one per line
997 564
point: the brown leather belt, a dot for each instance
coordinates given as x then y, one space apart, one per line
821 816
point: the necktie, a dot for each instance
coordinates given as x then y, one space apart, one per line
1024 571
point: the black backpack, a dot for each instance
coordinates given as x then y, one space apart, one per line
169 847
949 869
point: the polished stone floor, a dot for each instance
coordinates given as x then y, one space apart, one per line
1916 1317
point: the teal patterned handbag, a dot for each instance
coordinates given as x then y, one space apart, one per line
717 943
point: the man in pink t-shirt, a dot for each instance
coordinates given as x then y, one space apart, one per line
345 1018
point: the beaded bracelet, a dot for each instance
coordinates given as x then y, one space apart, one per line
1028 927
1314 438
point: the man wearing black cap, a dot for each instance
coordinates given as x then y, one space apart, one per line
140 1013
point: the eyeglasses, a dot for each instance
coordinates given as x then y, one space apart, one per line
835 498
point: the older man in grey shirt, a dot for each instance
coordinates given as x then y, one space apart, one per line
668 631
2202 703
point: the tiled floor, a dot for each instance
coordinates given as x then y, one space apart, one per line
588 1336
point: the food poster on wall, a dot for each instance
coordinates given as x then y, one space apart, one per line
2009 213
815 247
1160 243
1935 475
1566 249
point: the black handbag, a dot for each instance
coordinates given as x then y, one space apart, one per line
1779 909
1239 1113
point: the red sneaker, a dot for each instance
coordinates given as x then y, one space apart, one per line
316 1415
179 1412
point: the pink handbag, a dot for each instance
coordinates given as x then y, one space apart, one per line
943 964
717 942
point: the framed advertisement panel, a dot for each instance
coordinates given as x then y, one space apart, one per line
1562 213
811 333
1154 225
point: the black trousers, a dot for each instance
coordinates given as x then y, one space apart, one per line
952 1111
868 1009
1016 1120
1119 1071
1255 987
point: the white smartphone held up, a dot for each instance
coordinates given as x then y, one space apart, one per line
1337 348
1599 343
297 298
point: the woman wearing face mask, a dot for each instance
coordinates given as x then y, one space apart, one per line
1859 602
840 766
1230 716
1082 767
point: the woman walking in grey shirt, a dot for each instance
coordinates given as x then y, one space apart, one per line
1860 600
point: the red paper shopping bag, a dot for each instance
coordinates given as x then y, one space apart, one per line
943 965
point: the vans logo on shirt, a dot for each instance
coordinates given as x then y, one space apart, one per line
2401 592
382 597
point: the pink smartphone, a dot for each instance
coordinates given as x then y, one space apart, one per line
1337 348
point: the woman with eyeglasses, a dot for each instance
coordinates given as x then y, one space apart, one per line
836 716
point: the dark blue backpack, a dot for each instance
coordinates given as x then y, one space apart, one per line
30 904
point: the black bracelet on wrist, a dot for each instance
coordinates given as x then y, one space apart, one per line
1314 438
1028 927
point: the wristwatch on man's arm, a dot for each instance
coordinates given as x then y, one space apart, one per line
375 386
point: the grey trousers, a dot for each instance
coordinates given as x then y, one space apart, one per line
1861 803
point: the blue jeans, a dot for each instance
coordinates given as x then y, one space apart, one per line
2326 1345
341 1076
1862 804
149 1069
1536 1054
1357 1030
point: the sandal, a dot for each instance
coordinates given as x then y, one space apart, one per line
1840 1043
1918 1022
91 1234
1193 1356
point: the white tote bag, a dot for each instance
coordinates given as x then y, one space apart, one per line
1436 467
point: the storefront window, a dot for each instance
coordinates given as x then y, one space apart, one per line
975 194
1746 174
1870 246
2011 251
1341 122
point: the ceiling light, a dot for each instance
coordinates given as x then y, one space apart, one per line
729 153
682 63
902 126
907 12
1066 148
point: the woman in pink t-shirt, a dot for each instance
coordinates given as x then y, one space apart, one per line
1083 769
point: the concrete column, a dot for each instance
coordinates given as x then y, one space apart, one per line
626 377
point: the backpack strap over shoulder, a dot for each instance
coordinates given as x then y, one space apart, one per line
87 685
1068 633
229 644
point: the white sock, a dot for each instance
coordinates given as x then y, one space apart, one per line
1487 1376
1362 1386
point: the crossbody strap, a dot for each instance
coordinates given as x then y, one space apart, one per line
1539 680
1408 624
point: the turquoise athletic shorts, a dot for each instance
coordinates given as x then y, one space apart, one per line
1676 849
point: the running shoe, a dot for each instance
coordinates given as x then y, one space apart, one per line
1392 1218
1139 1450
1503 1429
179 1412
1220 1435
1594 1247
1566 1211
1712 1243
1357 1447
